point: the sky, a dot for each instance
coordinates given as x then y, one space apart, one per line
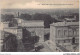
37 4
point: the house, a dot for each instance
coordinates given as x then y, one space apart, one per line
34 26
65 35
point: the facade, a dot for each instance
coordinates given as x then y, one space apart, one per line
8 35
34 26
65 35
9 42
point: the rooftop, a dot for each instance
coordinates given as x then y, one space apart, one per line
65 24
32 23
70 19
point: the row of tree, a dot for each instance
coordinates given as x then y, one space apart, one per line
45 17
9 18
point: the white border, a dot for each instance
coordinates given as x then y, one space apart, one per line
43 53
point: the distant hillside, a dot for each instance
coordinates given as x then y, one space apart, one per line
47 15
47 11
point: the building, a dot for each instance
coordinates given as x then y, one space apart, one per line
9 42
65 36
14 30
35 27
5 25
8 35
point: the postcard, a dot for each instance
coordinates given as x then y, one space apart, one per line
39 26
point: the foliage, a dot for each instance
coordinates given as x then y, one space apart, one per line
25 16
13 23
45 17
27 38
7 17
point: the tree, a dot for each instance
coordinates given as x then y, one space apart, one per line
13 23
25 16
45 17
7 17
28 38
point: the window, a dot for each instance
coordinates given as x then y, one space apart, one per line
67 41
60 41
77 41
73 40
74 32
65 32
64 41
59 33
70 33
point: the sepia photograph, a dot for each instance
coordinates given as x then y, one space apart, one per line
39 26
